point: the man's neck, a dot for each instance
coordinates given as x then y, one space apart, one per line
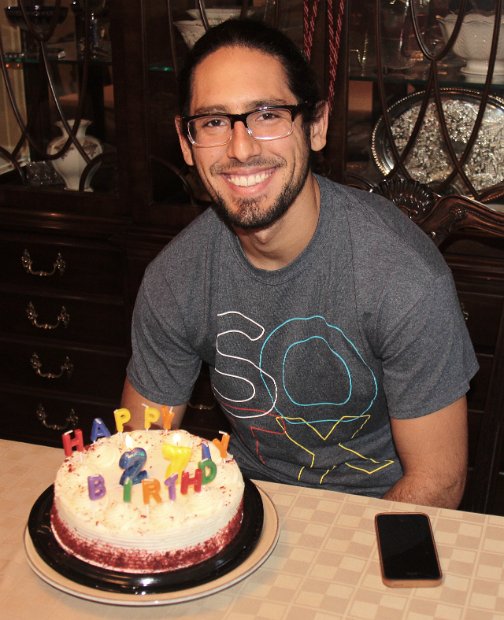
277 245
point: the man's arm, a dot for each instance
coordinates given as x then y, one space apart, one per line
433 453
136 403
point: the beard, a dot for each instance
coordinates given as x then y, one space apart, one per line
250 215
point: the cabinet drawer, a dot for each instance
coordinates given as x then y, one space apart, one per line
27 417
484 314
63 369
52 264
64 319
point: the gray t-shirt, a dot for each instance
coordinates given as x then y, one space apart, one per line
309 361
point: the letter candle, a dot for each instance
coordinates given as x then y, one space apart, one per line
171 483
99 429
150 488
205 451
127 490
122 416
222 444
96 487
195 480
69 442
208 470
151 415
168 415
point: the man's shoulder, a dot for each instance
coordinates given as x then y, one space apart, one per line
364 206
379 231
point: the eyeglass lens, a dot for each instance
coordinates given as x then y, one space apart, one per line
216 129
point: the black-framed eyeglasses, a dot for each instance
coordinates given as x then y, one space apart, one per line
269 122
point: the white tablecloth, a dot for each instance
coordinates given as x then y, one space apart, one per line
325 564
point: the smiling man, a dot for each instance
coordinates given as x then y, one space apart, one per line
329 321
252 183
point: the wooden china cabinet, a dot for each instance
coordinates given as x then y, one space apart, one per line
72 259
424 127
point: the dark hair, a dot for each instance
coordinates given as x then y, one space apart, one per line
255 35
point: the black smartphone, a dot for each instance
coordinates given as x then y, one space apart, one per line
407 550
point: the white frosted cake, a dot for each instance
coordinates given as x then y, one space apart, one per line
147 501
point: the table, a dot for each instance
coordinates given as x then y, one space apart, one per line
325 564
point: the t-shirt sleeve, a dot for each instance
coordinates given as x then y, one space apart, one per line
428 358
163 366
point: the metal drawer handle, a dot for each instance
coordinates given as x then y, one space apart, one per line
59 266
71 420
66 367
63 318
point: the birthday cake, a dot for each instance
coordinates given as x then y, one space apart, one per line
147 501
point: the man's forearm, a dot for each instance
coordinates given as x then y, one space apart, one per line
427 492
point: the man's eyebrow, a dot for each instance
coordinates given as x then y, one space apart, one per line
210 110
265 102
252 105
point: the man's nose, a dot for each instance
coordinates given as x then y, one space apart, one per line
242 145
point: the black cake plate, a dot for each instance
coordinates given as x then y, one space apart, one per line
250 548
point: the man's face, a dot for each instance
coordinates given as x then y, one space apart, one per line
252 182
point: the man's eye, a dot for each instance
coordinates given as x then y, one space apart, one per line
272 116
214 122
269 115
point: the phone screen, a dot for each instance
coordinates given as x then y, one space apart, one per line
407 549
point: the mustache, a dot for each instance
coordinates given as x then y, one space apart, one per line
251 163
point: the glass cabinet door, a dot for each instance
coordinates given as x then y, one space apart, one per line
426 80
57 96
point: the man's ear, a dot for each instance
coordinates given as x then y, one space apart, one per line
318 129
184 142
